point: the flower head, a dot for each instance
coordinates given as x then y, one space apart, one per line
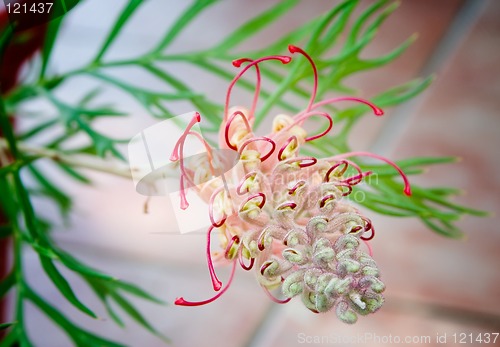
284 214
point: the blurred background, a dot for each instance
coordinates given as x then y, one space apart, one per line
434 285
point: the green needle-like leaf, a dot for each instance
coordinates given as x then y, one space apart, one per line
361 20
50 39
73 173
74 264
133 289
38 129
402 93
79 336
11 339
132 312
253 26
61 198
4 326
63 286
190 14
7 284
5 231
127 12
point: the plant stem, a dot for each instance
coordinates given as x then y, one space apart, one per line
87 162
18 271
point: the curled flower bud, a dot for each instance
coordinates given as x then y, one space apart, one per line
345 313
292 285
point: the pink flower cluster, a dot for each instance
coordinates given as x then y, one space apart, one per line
285 214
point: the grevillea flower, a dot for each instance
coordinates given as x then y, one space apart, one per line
284 214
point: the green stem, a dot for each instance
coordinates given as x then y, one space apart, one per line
18 271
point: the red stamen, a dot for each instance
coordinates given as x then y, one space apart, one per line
265 266
299 120
355 229
184 202
261 242
376 110
175 153
364 238
368 223
309 161
250 175
273 298
255 139
242 263
368 227
228 125
237 63
216 283
207 147
181 302
202 140
325 199
287 143
343 184
178 154
295 49
407 189
296 186
234 239
352 181
260 195
353 164
211 209
286 205
370 250
282 58
341 172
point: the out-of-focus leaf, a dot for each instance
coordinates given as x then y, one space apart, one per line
5 231
183 20
11 339
4 326
114 316
402 93
42 250
388 58
63 286
49 40
362 20
128 11
79 336
73 264
7 130
443 228
27 208
329 27
7 283
253 26
15 166
108 291
132 312
150 100
5 37
37 129
135 290
73 173
209 111
62 199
